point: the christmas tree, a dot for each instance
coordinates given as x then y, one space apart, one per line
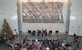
6 30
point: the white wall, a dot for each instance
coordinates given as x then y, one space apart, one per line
48 26
8 10
76 18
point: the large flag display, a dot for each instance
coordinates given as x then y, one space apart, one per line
42 12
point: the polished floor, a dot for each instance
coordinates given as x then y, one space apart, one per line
3 47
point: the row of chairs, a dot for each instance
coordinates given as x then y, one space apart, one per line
41 32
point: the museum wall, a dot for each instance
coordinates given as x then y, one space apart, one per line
76 18
8 10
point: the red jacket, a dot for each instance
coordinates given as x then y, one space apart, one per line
15 47
78 41
35 46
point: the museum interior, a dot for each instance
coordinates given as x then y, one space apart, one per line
40 24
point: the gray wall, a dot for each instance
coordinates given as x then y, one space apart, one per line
76 18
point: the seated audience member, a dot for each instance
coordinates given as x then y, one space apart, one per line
16 47
61 48
35 46
74 49
63 44
24 41
74 37
67 44
43 48
70 48
56 48
47 48
24 48
38 46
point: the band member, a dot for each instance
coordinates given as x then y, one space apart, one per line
38 32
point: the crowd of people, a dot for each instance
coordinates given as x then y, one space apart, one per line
48 44
44 44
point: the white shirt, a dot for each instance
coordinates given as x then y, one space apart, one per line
47 48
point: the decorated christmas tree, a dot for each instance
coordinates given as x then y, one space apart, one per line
6 30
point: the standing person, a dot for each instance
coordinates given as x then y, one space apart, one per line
16 33
74 37
78 43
